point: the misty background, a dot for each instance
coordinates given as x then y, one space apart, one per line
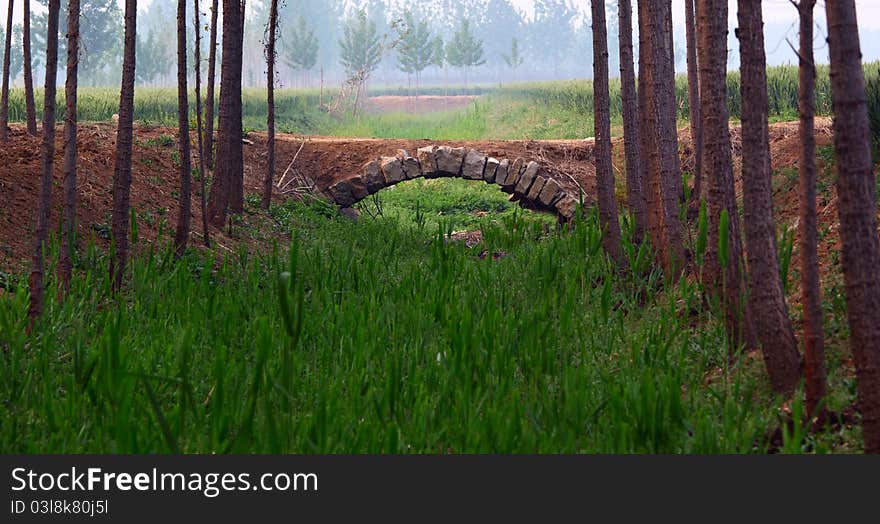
553 39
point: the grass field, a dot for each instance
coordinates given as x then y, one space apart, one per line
516 111
381 336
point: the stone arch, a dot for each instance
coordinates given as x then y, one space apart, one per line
529 182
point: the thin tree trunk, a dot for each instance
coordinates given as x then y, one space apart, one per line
122 168
48 165
197 26
720 277
270 98
30 107
181 238
68 229
634 181
811 295
767 299
602 131
647 125
209 94
4 94
856 189
222 199
694 99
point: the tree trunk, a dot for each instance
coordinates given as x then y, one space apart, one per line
223 196
857 207
647 125
30 107
209 94
122 168
664 171
720 277
68 229
634 181
694 99
811 296
602 130
197 30
766 296
181 238
4 94
48 164
270 98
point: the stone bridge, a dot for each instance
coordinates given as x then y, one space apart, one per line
529 182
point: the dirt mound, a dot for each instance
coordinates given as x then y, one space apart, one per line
321 159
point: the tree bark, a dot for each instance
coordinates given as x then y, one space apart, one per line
720 277
209 94
224 196
602 130
634 180
4 91
664 172
41 235
767 299
857 208
811 295
647 125
30 107
694 98
68 229
197 60
122 168
181 237
270 98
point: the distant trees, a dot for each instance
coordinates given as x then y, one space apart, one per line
515 59
122 168
465 50
152 58
360 53
857 208
301 51
415 52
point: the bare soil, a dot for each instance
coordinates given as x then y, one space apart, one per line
322 160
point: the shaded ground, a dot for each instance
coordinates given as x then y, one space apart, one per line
417 104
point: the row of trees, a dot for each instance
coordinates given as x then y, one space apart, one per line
744 277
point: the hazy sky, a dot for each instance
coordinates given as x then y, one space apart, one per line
780 20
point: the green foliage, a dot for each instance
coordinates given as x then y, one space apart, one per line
152 58
464 50
301 47
514 59
360 47
415 52
375 336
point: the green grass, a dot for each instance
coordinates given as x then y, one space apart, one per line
378 336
